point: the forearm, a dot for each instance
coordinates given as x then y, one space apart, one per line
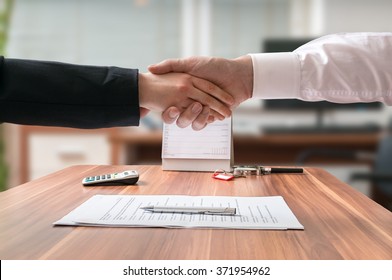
59 94
338 68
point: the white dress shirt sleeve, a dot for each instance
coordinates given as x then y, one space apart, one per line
341 68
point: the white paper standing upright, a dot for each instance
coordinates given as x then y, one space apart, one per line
206 150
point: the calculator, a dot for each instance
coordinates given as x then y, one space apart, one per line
129 177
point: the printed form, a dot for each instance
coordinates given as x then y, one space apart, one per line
270 212
213 142
209 149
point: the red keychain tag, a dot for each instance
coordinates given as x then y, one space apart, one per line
222 175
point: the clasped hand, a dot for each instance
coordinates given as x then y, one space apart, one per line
197 90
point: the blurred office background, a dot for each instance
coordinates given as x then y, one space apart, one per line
136 33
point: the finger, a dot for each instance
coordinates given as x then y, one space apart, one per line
206 99
170 115
168 65
189 115
213 90
201 121
210 119
214 115
143 112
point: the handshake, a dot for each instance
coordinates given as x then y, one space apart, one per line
197 90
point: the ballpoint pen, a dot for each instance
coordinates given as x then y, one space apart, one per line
191 210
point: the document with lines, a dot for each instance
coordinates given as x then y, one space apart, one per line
205 150
269 212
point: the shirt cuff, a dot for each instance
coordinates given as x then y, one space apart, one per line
275 75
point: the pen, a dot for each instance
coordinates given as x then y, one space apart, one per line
269 170
191 210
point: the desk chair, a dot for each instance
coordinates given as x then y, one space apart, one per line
381 174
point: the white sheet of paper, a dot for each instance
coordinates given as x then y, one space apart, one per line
269 212
212 142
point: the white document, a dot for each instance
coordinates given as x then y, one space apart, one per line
270 212
205 150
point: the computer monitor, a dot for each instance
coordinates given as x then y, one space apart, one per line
288 45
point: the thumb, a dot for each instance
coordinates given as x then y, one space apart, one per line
168 65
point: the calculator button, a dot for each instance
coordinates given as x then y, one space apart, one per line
97 177
108 176
103 177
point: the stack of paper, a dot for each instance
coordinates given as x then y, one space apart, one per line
270 212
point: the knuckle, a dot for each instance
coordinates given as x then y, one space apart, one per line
183 88
185 85
211 87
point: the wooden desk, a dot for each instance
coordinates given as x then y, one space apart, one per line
340 223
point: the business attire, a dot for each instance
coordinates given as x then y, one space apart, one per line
60 94
342 68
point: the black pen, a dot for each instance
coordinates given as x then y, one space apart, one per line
269 170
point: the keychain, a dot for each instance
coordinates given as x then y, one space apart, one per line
244 170
221 174
262 170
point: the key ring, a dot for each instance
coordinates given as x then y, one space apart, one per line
226 176
262 170
244 170
222 175
220 171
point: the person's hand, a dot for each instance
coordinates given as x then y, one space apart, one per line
159 92
234 76
189 116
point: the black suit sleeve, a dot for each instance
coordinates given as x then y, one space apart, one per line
60 94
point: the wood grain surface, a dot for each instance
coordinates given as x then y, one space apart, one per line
340 222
